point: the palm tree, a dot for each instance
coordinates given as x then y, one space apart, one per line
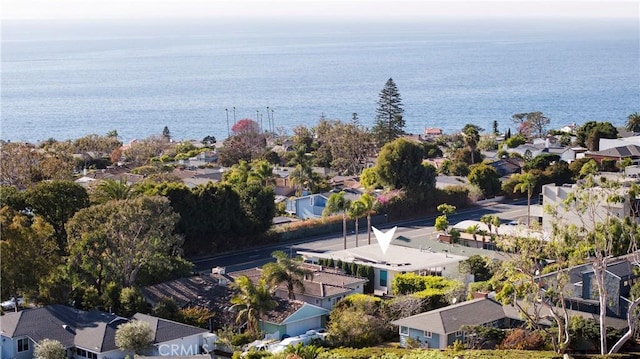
356 211
252 302
496 223
111 190
471 135
487 219
238 174
473 230
633 122
337 203
285 270
262 172
302 174
369 202
526 182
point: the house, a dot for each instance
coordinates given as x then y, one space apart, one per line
312 206
206 291
396 260
607 143
507 166
617 154
322 288
172 338
86 334
443 181
619 277
432 132
293 317
555 196
441 327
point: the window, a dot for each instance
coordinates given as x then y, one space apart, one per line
404 330
427 334
23 345
459 333
91 355
383 278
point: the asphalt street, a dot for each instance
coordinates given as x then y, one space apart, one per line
417 232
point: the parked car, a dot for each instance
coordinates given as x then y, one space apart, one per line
280 347
11 303
319 333
258 345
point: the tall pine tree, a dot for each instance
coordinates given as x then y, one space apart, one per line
389 123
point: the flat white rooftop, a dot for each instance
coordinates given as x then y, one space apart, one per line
397 258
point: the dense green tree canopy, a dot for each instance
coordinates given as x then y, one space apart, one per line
57 202
590 133
28 249
120 238
400 166
486 178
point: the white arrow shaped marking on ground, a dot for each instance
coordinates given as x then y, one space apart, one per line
384 239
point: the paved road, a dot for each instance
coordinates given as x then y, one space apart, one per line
417 230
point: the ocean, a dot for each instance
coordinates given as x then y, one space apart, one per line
67 79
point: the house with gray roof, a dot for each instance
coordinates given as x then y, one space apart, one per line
631 151
441 327
85 335
619 276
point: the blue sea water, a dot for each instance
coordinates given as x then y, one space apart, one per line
66 79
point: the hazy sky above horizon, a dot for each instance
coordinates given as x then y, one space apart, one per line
314 9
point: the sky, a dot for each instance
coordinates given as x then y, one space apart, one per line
313 9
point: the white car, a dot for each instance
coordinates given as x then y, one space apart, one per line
319 333
11 303
280 347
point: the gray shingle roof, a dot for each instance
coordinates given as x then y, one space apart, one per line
450 319
72 327
621 152
165 330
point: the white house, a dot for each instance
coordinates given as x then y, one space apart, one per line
554 196
396 260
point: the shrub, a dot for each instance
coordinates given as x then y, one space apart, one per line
523 340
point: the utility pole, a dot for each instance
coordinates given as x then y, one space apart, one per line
273 122
268 120
259 119
234 115
227 112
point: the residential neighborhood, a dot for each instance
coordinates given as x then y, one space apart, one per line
214 249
